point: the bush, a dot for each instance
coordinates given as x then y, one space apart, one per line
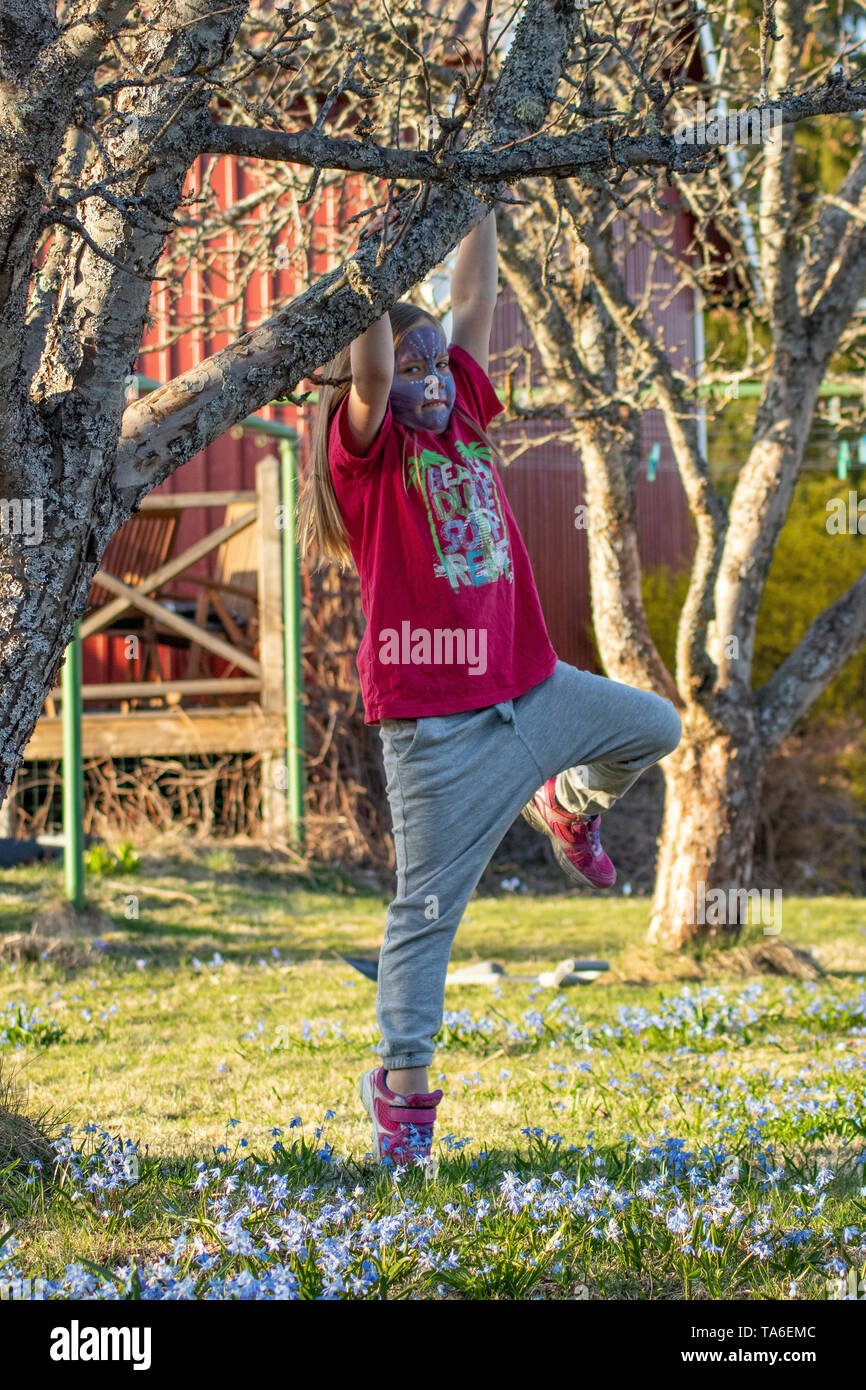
101 860
811 569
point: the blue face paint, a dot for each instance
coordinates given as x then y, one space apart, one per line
423 390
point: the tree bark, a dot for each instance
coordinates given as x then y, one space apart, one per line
712 800
42 591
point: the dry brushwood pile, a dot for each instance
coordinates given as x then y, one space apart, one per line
221 794
217 794
347 810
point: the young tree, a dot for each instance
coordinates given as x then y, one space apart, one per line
791 257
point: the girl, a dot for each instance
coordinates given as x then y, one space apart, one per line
477 717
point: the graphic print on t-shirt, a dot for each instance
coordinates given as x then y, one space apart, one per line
466 521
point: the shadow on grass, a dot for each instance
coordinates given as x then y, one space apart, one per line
243 902
248 902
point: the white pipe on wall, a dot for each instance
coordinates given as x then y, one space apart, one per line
734 158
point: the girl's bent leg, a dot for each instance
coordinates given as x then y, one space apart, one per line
595 735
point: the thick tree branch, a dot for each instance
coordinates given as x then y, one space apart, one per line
846 276
163 431
760 504
25 27
779 250
37 116
832 226
80 42
597 147
103 309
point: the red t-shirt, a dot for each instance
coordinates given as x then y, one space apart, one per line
453 617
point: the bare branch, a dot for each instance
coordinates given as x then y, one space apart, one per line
163 431
597 147
832 639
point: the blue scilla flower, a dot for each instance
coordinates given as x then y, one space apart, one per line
679 1220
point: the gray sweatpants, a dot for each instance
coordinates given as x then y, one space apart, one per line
456 782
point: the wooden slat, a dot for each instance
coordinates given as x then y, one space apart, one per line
130 690
180 625
274 797
214 586
106 615
238 565
161 733
169 502
270 588
233 632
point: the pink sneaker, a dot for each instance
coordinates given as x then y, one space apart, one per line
576 843
402 1128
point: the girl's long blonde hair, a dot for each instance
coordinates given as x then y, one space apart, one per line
320 523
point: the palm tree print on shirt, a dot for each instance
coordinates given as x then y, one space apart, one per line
465 515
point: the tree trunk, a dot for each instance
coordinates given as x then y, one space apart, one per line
42 589
712 798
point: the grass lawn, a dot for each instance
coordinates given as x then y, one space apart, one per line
678 1129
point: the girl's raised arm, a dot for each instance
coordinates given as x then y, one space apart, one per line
372 359
473 290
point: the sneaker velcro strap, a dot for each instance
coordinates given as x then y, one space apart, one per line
556 816
423 1100
400 1115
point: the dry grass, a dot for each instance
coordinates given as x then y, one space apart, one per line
23 1137
641 965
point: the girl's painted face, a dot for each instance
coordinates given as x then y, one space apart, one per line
423 390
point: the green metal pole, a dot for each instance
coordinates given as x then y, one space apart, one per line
73 774
292 641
